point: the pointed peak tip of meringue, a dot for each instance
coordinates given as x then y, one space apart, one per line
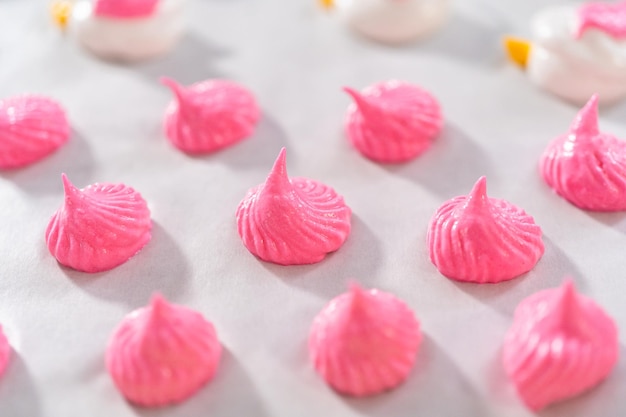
169 82
586 122
278 176
178 89
362 102
158 305
352 92
478 195
567 304
355 288
567 291
358 295
70 189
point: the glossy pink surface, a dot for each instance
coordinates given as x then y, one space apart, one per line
291 221
585 166
392 121
31 128
125 9
99 227
162 354
5 352
480 239
209 115
606 17
560 344
364 342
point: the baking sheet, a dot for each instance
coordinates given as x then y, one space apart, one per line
295 59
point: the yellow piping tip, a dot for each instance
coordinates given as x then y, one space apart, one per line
518 50
61 10
327 4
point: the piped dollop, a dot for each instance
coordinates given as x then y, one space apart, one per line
392 121
125 9
162 354
292 221
209 115
609 18
585 166
99 227
31 128
364 342
480 239
560 345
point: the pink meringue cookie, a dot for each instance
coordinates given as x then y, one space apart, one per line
5 352
209 115
560 345
364 342
606 17
125 9
98 227
480 239
392 121
292 221
31 128
587 167
162 354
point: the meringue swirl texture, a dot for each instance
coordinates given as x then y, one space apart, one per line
209 115
5 352
560 345
480 239
587 167
31 128
99 227
364 342
392 121
125 9
606 17
292 221
162 354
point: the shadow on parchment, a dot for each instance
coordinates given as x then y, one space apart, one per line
550 272
230 393
431 385
359 258
18 396
149 271
450 167
44 177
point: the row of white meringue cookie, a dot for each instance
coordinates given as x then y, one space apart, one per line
132 30
575 51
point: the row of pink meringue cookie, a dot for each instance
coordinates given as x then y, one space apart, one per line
292 221
299 221
389 122
365 342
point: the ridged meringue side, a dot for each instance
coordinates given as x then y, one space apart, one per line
364 342
392 121
587 167
480 239
162 354
210 115
292 221
99 227
31 128
5 352
560 345
125 9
